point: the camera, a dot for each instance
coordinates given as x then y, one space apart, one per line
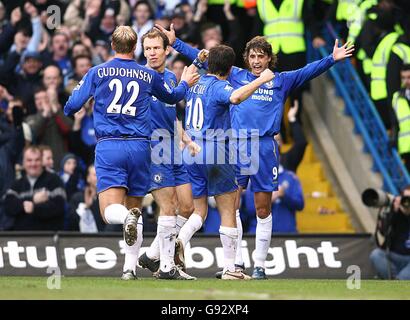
405 202
379 199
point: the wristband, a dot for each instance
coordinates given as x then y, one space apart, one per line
197 63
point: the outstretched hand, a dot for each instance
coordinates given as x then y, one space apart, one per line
345 51
170 34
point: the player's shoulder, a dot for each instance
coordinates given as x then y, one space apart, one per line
238 71
225 85
279 78
93 69
170 77
220 88
145 68
214 83
128 63
169 73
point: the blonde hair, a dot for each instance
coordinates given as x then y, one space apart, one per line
124 39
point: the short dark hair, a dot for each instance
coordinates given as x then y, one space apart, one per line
54 65
259 44
220 60
210 25
38 89
79 43
32 148
44 147
59 33
81 56
405 67
155 33
140 2
25 30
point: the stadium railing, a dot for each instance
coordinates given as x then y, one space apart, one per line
366 119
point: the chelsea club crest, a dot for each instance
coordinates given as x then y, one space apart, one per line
269 85
157 178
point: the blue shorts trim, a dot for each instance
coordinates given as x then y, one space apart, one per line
211 179
125 163
125 187
263 167
168 175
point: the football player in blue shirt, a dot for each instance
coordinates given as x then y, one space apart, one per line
208 123
122 89
267 109
170 184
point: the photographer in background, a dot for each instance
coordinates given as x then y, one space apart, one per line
392 259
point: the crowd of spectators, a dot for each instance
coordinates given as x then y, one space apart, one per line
47 178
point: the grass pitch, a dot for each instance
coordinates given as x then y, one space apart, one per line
84 288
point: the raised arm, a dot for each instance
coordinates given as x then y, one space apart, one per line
35 40
81 93
186 50
246 91
294 79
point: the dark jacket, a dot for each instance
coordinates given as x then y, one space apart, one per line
52 131
47 216
11 145
7 37
399 237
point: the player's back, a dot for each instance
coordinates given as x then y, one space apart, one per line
122 92
207 109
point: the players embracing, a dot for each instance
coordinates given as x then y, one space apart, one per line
260 117
122 90
207 114
132 100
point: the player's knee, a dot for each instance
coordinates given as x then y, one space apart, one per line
263 212
168 211
168 208
186 210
